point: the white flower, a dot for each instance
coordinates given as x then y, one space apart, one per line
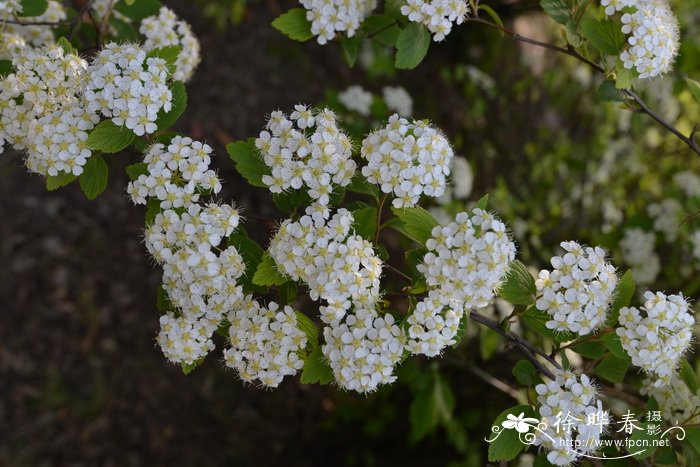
357 99
578 291
688 182
398 100
666 215
329 17
437 15
676 402
37 35
638 252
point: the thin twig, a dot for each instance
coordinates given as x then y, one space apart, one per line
496 383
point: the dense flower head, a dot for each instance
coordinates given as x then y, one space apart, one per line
330 17
166 29
183 340
337 265
637 248
363 349
676 401
308 149
437 15
578 291
666 215
657 334
398 100
39 34
266 342
408 159
433 326
129 87
571 415
654 35
357 99
467 260
10 45
176 173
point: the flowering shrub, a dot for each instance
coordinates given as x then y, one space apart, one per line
339 240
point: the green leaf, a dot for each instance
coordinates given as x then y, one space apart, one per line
611 341
416 223
54 182
423 414
483 202
248 163
692 438
267 273
359 184
316 369
152 210
688 376
492 13
519 286
592 350
605 35
444 398
110 138
138 10
365 223
294 25
163 303
31 8
6 68
136 170
612 368
351 47
623 296
607 92
643 446
558 10
411 46
93 180
309 328
287 292
525 372
290 201
666 456
252 255
169 53
382 29
507 446
67 46
694 87
178 106
188 368
536 320
625 77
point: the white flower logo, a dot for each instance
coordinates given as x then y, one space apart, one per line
519 423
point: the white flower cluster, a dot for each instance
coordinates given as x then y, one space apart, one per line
676 402
329 17
573 415
657 340
10 7
398 100
265 342
364 349
38 34
688 182
462 178
638 252
42 110
307 149
465 264
357 99
578 291
10 45
653 35
436 15
666 215
408 159
166 29
175 174
338 266
128 87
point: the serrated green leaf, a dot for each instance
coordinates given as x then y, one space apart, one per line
267 273
605 35
316 369
612 368
177 106
138 10
411 46
134 171
110 138
519 286
591 350
623 296
688 376
525 373
32 8
54 182
248 163
294 25
417 223
93 180
611 341
365 222
558 10
625 77
508 445
694 87
351 47
483 202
